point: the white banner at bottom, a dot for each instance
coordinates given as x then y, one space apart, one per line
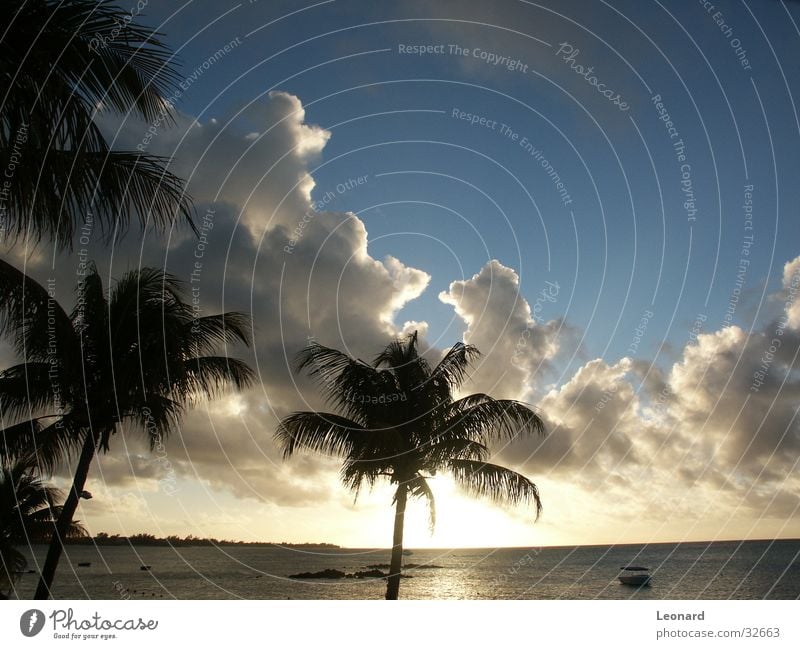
349 624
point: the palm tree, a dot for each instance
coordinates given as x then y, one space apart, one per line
397 419
63 63
135 357
28 514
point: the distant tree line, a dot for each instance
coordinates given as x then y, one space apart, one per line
104 538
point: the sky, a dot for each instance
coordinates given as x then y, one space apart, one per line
602 196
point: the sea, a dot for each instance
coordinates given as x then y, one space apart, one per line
716 570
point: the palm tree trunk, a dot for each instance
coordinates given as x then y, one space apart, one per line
65 519
393 586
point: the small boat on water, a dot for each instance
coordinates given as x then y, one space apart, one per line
635 576
407 553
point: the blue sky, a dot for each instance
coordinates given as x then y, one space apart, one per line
453 195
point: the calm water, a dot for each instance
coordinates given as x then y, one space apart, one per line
740 570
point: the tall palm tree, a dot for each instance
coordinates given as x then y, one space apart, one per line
397 419
63 63
28 514
135 357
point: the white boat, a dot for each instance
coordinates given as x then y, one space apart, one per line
635 576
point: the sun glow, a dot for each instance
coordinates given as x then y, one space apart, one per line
464 522
232 405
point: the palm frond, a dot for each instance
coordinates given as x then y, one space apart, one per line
452 369
145 286
210 375
496 483
91 49
62 186
33 498
119 183
356 473
401 357
144 309
90 322
321 432
482 418
418 487
439 452
89 58
319 359
31 389
18 441
43 445
156 416
28 507
40 525
396 354
31 318
327 364
205 333
348 384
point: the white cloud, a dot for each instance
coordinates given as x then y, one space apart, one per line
689 446
672 444
515 347
317 280
791 283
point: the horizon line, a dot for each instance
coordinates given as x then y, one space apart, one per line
476 547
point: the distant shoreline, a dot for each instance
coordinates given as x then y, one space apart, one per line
103 539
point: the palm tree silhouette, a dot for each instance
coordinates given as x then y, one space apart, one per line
63 63
136 356
398 420
28 514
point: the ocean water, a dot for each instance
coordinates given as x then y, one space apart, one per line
720 570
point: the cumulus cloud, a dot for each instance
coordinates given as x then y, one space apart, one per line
265 248
791 284
264 173
516 347
590 420
714 433
716 426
